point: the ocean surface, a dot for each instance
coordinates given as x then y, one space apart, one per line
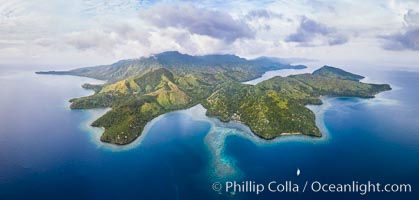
48 151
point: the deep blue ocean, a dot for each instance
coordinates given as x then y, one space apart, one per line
47 151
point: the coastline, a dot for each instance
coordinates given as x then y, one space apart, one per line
197 113
95 132
221 166
319 112
224 129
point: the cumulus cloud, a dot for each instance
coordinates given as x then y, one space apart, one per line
196 20
312 33
407 40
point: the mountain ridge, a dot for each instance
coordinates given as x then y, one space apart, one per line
179 63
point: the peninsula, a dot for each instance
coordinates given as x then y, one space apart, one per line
139 90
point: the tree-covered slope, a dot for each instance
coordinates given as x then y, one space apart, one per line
277 106
137 100
140 90
266 112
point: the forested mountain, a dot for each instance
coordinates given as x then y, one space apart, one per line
139 90
228 66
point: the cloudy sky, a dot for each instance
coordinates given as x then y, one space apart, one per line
90 32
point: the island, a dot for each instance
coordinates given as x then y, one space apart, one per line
139 90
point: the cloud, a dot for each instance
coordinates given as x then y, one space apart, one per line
262 13
312 33
406 40
100 7
216 24
129 32
97 31
411 18
92 39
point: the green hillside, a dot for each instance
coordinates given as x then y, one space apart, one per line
277 106
140 90
136 101
333 72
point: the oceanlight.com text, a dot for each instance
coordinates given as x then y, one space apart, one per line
310 186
